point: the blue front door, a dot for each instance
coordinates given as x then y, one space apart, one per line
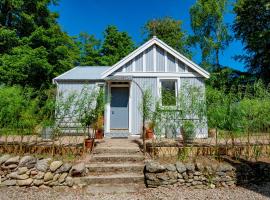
119 107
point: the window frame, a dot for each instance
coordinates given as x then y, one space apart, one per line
159 87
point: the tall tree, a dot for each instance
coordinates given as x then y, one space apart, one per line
169 31
33 48
252 26
89 49
210 31
116 45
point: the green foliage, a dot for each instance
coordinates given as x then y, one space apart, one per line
169 31
89 49
116 46
17 109
188 129
210 31
239 109
252 26
33 48
146 106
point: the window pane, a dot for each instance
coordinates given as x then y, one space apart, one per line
168 92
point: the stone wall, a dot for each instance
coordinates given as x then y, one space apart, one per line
198 175
189 174
30 171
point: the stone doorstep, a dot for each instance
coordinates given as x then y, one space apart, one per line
116 158
117 150
123 178
116 167
113 189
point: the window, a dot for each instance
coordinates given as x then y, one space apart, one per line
168 92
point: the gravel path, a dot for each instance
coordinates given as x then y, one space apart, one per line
171 193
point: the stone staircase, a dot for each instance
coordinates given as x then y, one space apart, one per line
115 162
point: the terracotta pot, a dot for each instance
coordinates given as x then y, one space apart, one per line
89 143
99 134
149 133
212 133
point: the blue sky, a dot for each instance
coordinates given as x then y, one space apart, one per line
93 16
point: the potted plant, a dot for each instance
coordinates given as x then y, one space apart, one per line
87 121
149 130
188 131
99 131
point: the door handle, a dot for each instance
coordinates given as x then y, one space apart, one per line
112 112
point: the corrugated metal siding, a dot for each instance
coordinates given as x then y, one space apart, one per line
149 60
160 60
144 83
139 63
171 63
181 66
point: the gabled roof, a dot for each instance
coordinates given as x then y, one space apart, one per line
83 73
148 44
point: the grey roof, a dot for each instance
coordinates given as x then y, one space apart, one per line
83 73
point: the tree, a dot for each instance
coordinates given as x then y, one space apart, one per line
252 26
169 31
116 45
33 48
210 31
89 49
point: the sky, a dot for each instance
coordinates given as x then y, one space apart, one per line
93 16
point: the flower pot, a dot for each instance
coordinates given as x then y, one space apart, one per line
212 133
99 134
149 133
89 143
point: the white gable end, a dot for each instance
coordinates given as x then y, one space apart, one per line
155 57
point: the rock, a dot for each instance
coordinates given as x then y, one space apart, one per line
9 182
22 170
199 166
40 175
53 183
64 168
190 167
62 177
151 176
14 175
43 165
27 161
13 160
55 177
4 158
180 167
171 167
212 186
197 173
181 180
154 167
55 165
44 187
224 167
78 169
163 176
48 176
34 173
12 166
25 182
69 181
37 182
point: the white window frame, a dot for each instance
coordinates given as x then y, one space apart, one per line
159 87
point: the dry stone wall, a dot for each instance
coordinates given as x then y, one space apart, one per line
188 174
31 171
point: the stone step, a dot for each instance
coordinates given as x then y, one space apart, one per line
123 178
116 150
116 158
115 167
114 189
